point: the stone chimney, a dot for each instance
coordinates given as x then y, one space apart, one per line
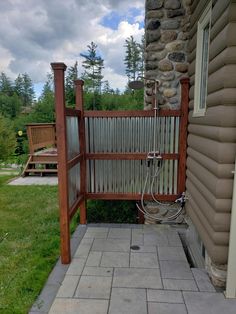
166 29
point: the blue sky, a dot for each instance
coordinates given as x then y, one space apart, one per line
113 19
35 33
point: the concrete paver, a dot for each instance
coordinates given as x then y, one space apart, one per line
98 271
210 303
95 287
128 301
108 276
168 253
203 280
76 266
180 284
111 245
175 270
145 260
137 278
166 296
155 239
119 233
174 239
94 259
137 239
81 306
166 308
115 259
83 250
67 289
144 249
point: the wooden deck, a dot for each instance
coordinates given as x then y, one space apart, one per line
43 150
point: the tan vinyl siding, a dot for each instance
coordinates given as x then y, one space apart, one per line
212 138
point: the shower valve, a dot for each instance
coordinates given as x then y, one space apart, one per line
182 199
154 155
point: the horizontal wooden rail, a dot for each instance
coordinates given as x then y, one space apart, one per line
75 206
127 156
131 113
71 163
41 125
72 112
130 196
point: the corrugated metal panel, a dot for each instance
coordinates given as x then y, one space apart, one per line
73 144
130 135
74 183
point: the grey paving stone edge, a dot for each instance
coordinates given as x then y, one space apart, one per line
44 301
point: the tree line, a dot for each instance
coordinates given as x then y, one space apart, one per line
19 106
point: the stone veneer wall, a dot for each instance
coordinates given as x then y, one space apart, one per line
166 29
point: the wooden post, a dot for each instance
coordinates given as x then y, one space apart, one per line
59 69
29 135
80 106
183 134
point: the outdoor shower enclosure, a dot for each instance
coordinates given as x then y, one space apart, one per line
101 154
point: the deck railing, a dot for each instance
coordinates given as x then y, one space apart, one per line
101 154
41 135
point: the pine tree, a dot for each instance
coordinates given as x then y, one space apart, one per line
134 56
19 86
10 106
7 138
25 90
93 65
6 87
10 102
29 95
141 47
48 86
106 87
72 75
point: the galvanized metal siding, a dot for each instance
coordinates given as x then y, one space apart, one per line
212 138
131 135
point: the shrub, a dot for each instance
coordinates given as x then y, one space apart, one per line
111 211
7 138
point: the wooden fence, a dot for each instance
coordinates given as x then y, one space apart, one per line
100 153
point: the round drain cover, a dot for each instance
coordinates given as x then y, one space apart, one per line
135 247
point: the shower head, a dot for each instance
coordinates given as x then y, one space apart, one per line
136 84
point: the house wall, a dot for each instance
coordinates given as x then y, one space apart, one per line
166 38
212 138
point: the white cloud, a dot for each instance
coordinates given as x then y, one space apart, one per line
139 18
34 34
115 80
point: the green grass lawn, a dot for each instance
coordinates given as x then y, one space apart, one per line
29 243
29 239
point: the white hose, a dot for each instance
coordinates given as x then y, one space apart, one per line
143 210
156 173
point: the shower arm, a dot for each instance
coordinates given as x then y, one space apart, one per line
155 154
137 85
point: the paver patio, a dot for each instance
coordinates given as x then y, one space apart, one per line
108 276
